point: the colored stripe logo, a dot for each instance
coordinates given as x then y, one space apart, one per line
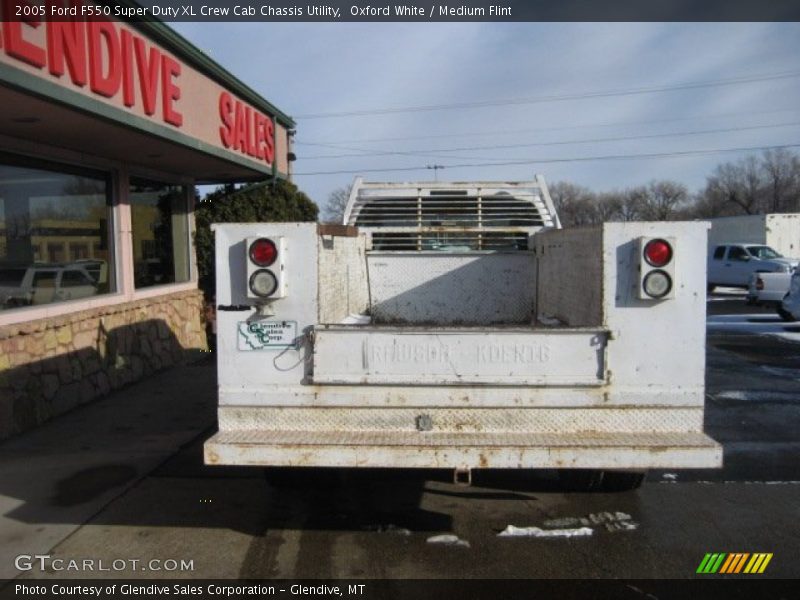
734 563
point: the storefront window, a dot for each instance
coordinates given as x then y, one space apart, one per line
54 234
159 219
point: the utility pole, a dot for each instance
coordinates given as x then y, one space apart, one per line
435 170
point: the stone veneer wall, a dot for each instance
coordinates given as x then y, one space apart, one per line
50 366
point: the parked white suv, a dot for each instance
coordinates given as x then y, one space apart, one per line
43 284
732 264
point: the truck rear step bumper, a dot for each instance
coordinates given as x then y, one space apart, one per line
463 450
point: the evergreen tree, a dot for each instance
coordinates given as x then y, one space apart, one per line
253 203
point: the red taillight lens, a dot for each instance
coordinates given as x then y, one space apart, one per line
263 252
658 253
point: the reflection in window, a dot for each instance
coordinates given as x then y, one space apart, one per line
160 226
54 242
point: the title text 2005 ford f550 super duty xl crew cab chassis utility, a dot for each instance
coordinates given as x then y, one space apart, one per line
456 325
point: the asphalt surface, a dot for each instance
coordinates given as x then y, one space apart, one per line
317 523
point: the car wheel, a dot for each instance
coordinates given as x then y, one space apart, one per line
597 480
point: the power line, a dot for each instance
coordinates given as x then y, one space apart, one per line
554 98
559 160
301 142
431 154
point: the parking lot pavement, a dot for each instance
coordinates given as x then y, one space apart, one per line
753 393
317 523
57 477
728 313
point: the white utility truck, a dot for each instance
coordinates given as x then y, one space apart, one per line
456 325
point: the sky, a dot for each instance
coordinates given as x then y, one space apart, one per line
555 98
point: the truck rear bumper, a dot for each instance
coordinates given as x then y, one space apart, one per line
405 449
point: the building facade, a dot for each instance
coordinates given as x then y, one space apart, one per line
105 129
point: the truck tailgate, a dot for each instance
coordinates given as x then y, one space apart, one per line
453 356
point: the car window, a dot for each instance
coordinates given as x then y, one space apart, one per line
44 279
74 278
737 253
719 253
763 252
12 277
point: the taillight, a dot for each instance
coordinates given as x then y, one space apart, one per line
656 268
658 252
265 269
263 283
657 284
263 252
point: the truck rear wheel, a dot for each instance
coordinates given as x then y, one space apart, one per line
597 480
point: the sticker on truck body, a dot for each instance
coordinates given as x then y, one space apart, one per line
266 335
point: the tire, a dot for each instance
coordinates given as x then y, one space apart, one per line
597 480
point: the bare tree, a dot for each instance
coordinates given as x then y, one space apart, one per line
782 180
632 204
736 188
661 200
333 211
608 206
575 205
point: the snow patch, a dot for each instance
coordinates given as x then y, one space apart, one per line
771 482
756 395
390 528
512 531
782 372
617 521
566 522
448 540
757 324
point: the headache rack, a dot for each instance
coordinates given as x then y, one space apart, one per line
450 216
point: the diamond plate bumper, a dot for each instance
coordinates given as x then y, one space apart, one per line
404 449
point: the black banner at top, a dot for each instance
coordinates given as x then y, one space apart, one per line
413 10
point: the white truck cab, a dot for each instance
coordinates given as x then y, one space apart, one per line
456 325
733 264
